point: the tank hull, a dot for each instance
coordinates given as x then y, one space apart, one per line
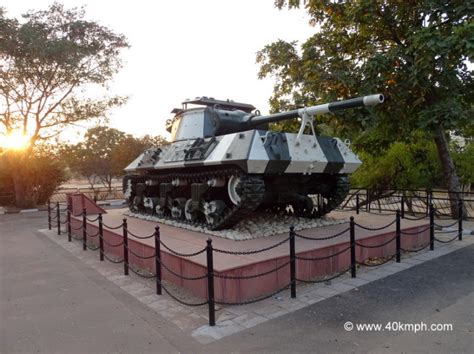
255 152
218 181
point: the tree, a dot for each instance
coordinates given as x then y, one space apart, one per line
130 148
414 52
43 174
47 62
402 166
464 161
105 152
93 158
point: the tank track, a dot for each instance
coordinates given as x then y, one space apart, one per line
329 203
251 191
337 196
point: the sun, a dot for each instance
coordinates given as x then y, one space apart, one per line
14 141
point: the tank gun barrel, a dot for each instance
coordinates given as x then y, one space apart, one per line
370 100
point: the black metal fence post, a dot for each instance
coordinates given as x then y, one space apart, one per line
69 230
58 217
292 263
432 213
368 200
158 260
210 283
398 236
353 245
357 203
125 246
402 207
84 229
428 202
101 238
49 215
460 214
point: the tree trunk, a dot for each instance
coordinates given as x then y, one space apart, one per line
451 177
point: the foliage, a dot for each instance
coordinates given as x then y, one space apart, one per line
414 52
105 152
48 62
464 161
39 174
402 166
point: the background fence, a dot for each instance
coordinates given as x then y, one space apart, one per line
413 202
100 193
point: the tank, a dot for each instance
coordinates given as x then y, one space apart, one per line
223 164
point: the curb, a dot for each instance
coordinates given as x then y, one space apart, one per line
22 211
45 208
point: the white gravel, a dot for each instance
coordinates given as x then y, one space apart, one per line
257 226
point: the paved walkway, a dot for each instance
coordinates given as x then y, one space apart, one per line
52 302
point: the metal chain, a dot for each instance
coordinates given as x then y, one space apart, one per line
376 246
181 301
140 237
253 251
112 245
375 228
182 276
182 254
415 233
217 275
415 219
325 257
109 259
92 220
90 235
376 265
79 228
136 255
447 241
112 228
326 279
450 225
322 238
253 300
142 275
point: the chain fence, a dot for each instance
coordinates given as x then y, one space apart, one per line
57 218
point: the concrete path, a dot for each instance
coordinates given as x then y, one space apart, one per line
53 301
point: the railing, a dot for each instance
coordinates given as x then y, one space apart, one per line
411 202
101 193
54 221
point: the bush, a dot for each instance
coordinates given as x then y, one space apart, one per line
36 175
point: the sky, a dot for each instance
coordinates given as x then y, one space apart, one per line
183 49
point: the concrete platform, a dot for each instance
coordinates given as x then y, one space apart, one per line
232 290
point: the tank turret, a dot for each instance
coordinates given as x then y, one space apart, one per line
223 164
227 117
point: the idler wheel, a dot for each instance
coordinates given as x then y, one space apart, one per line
213 211
135 205
190 213
232 189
